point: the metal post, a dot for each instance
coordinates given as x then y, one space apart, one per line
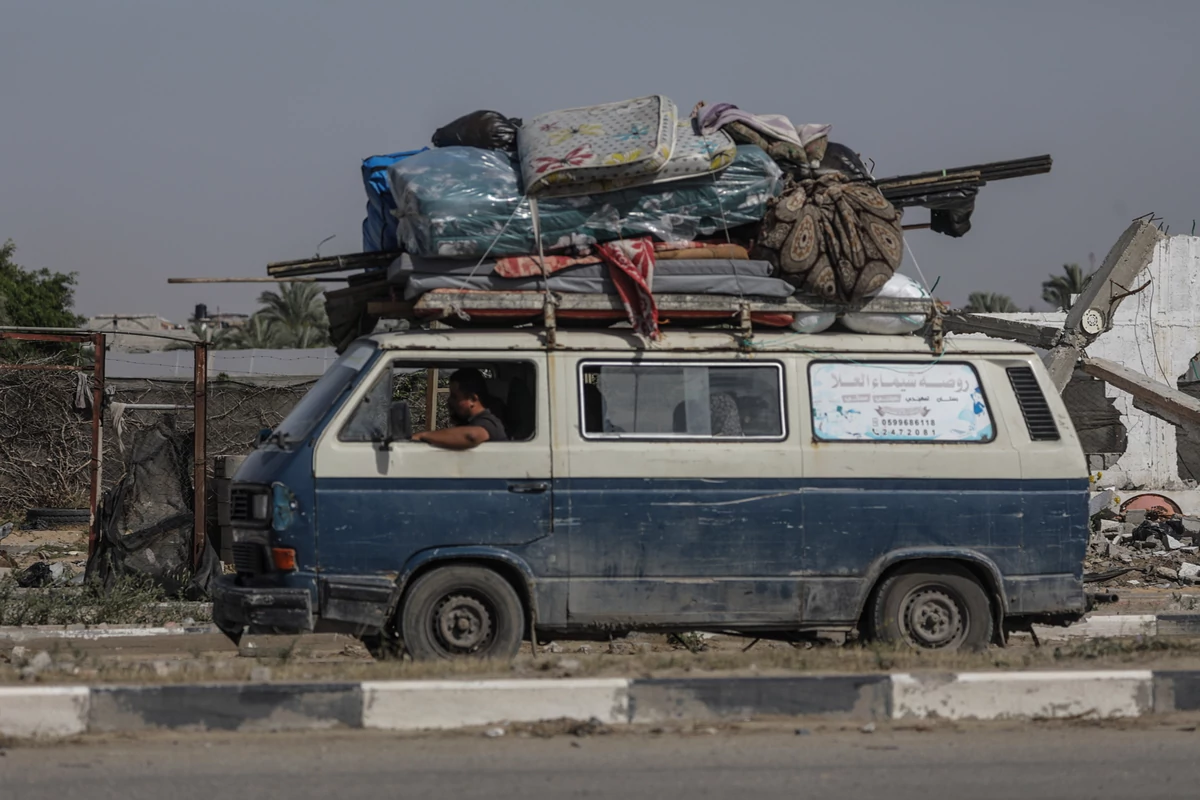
98 342
200 451
431 393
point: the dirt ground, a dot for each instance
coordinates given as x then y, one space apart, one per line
21 548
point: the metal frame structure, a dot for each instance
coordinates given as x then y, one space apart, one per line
98 339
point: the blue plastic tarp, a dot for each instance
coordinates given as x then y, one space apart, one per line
379 227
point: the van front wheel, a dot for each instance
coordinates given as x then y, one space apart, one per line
932 608
462 612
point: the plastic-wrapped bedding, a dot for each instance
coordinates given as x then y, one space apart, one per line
685 276
456 202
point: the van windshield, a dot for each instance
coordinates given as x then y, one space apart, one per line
316 403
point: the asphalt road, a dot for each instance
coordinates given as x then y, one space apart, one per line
766 761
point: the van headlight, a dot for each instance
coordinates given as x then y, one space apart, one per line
260 507
283 507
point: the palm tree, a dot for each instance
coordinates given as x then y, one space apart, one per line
1057 289
990 303
297 312
259 333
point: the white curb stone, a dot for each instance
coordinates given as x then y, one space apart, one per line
1102 627
43 711
1013 695
414 705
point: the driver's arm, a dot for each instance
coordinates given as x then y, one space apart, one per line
458 438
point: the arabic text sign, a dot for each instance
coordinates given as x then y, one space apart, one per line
898 402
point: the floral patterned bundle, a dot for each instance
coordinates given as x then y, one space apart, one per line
598 149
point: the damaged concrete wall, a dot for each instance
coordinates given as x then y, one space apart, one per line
1157 333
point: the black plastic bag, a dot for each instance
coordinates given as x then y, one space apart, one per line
487 130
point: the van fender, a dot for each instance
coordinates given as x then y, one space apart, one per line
478 554
889 560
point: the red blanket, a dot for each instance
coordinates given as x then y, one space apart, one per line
631 266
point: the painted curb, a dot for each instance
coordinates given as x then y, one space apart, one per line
43 711
33 633
1023 695
416 705
60 711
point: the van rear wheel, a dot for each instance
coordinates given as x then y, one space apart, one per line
462 612
928 607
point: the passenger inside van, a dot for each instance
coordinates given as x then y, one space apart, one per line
468 403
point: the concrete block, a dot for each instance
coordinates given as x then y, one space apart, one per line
1102 627
226 707
1110 527
416 705
1191 525
859 697
1189 572
1023 695
1176 691
43 711
1135 517
1100 501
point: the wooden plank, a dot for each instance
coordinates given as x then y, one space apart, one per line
1153 397
390 309
1028 333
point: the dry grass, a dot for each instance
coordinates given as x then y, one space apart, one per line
292 663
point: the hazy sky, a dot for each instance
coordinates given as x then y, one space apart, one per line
142 140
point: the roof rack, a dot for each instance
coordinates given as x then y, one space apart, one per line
458 306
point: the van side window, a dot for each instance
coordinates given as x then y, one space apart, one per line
681 400
899 401
411 390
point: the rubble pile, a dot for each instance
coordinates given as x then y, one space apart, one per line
1154 547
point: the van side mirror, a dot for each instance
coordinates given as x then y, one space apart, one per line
263 435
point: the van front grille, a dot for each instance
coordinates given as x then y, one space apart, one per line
248 558
1039 419
239 505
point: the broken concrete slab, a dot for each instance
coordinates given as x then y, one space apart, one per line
1189 573
1135 517
1101 501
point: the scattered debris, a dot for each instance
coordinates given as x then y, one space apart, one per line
494 733
1156 542
868 728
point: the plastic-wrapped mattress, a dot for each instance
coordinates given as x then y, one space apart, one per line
463 202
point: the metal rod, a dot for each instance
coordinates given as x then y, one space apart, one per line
77 335
200 451
300 279
921 226
65 335
156 407
97 442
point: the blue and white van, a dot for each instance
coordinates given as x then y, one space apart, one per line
775 487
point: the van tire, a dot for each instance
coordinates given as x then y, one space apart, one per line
462 612
932 607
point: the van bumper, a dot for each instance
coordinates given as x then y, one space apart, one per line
260 609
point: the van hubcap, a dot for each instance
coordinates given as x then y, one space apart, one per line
463 623
933 619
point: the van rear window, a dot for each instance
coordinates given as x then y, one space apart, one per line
898 402
682 400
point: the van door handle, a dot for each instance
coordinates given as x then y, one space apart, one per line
528 488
